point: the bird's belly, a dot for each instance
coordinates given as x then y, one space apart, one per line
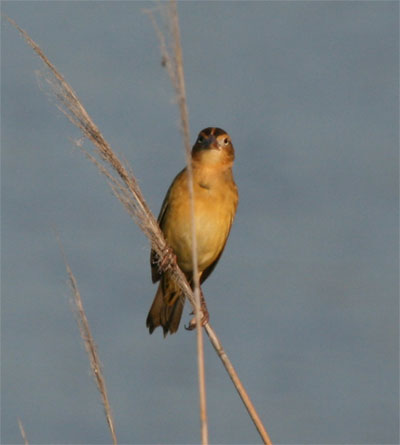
212 228
211 236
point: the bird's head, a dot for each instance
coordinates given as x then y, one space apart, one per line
213 147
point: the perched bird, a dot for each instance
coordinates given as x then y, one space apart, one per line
215 203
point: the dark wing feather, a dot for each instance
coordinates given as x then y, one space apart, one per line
154 260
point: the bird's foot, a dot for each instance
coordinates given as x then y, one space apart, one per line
167 261
204 315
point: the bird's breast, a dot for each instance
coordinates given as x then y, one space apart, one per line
214 209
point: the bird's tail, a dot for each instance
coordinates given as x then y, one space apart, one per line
167 307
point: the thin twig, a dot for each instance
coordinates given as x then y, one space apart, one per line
125 187
22 431
90 346
173 62
238 384
180 90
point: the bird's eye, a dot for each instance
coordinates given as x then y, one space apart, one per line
200 139
226 141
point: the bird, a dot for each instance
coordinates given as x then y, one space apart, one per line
215 203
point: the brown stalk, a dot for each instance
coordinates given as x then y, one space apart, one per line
126 189
174 65
91 348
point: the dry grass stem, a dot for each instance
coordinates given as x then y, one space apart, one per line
173 61
91 349
22 431
126 189
238 384
120 177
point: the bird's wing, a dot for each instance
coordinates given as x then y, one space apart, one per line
154 260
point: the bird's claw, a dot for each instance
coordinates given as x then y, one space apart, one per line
203 321
167 260
204 317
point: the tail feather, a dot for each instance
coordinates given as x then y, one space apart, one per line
165 312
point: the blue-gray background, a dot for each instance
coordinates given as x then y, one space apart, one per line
305 296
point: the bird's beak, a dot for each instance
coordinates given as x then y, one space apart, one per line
212 142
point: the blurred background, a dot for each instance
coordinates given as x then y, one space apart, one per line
305 297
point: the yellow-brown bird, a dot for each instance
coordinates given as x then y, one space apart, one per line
215 203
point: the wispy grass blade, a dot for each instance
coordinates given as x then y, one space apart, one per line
22 431
90 347
173 61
